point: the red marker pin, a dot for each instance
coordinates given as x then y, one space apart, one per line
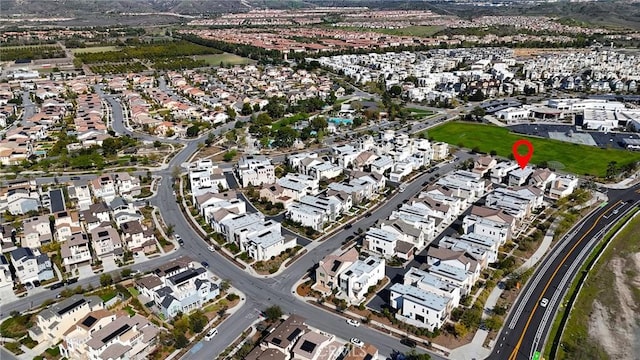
522 160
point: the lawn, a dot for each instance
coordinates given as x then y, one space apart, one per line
576 339
228 59
420 111
94 49
578 159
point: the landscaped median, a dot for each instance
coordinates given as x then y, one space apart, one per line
569 336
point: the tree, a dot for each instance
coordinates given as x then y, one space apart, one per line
413 355
612 169
197 321
273 313
460 330
246 109
125 273
181 340
232 113
494 322
225 285
318 123
156 144
331 98
395 90
285 137
105 280
193 130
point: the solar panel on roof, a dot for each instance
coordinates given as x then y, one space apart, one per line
72 306
120 330
90 320
294 334
336 265
308 346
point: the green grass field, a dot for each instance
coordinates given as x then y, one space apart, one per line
230 59
578 159
94 49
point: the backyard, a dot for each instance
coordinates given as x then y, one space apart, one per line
578 159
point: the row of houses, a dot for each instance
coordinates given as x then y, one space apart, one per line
293 339
85 329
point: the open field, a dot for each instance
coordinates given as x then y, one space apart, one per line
602 293
228 59
578 159
94 49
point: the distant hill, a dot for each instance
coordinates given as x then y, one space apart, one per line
53 8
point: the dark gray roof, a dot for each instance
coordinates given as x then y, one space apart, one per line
57 200
21 252
167 301
118 202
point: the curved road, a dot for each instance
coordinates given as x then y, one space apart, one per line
260 292
528 325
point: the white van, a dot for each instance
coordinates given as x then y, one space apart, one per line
213 332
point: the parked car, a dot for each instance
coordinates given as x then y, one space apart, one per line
211 248
357 342
213 332
205 264
75 178
367 214
408 342
353 322
56 286
348 226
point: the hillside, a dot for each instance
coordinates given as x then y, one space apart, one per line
68 8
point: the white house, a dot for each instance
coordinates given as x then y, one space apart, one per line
31 265
563 186
51 323
419 307
357 278
75 251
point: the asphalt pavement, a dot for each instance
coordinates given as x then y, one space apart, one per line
530 319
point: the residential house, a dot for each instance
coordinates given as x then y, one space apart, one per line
366 352
256 170
426 281
127 186
37 231
459 252
419 307
75 251
51 323
563 186
355 281
543 178
388 243
284 336
461 277
102 335
81 194
67 223
268 243
520 176
310 346
484 164
31 265
106 242
138 238
178 286
501 170
494 223
440 151
330 267
104 188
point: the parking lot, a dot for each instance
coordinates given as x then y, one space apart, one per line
601 139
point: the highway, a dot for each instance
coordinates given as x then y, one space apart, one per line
529 322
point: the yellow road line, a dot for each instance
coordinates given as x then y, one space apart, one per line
514 353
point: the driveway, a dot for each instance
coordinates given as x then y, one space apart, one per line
85 271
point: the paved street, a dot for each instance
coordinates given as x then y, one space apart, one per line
260 292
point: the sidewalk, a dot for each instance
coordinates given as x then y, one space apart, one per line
625 183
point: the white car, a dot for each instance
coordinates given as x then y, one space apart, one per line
544 302
211 248
353 322
213 332
357 342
